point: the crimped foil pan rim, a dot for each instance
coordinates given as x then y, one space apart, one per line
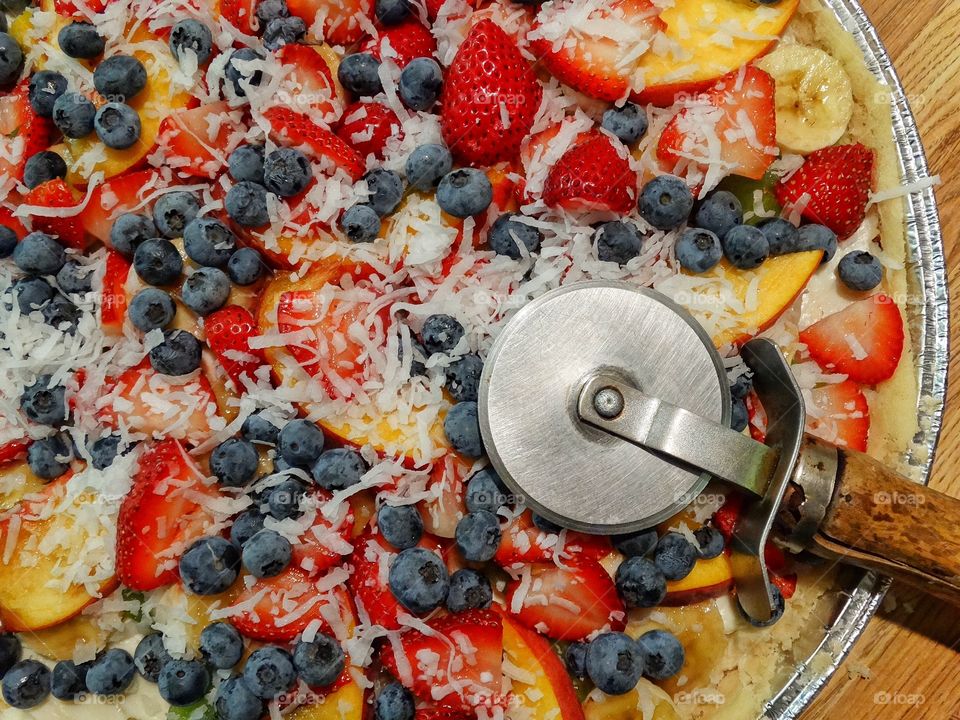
927 275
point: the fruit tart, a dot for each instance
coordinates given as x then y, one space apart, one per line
254 255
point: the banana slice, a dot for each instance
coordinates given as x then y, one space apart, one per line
814 97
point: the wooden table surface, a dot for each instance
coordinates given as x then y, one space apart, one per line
907 664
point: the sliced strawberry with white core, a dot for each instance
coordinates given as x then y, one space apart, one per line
523 542
23 133
864 341
324 542
343 22
839 414
295 130
116 196
308 86
197 142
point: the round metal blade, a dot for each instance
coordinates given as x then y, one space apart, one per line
572 474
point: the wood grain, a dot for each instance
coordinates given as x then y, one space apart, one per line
905 665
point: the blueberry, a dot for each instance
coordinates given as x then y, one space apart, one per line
26 684
618 242
209 566
44 89
283 31
75 278
320 661
466 192
266 554
462 428
120 78
338 469
245 526
710 541
283 500
44 404
246 204
8 241
191 36
81 40
245 266
111 673
150 656
178 354
391 12
817 237
782 235
286 172
11 60
241 72
640 582
269 672
39 254
478 536
360 223
427 165
32 293
268 10
183 682
234 462
441 333
62 314
739 415
719 213
235 701
469 589
221 645
636 544
463 377
663 653
209 242
393 702
49 457
104 451
484 492
420 83
575 658
129 230
117 125
675 556
386 190
151 308
741 387
746 247
628 123
206 290
246 162
507 234
358 73
10 650
860 271
69 680
173 211
698 250
258 429
418 579
614 663
74 115
665 202
400 525
157 261
779 605
300 443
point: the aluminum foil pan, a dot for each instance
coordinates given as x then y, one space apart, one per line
930 332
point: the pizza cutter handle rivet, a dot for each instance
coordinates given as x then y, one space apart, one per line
608 402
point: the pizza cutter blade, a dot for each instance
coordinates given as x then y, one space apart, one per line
607 408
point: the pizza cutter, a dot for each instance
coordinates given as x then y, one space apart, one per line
607 408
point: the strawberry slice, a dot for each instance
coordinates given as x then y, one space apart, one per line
462 653
68 8
24 133
292 128
864 341
408 40
113 301
13 450
832 187
229 330
368 126
165 510
239 13
745 128
115 196
144 401
840 414
67 228
284 605
597 54
726 518
325 542
344 21
9 220
197 141
490 97
523 542
592 175
308 85
568 602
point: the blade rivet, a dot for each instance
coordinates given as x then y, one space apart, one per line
608 402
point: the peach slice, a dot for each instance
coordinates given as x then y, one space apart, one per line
632 705
708 579
715 43
344 703
17 481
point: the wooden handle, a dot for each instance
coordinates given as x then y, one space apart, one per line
881 521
